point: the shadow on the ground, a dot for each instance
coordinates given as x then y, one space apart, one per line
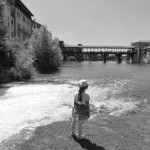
88 145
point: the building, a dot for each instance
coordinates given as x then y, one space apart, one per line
35 25
142 49
19 19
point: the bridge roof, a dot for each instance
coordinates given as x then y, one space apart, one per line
99 46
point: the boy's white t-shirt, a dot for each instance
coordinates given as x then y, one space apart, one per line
85 97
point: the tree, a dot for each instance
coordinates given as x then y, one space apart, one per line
3 36
22 60
48 54
16 58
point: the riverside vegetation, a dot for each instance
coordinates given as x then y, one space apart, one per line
21 60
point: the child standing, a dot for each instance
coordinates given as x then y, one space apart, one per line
81 110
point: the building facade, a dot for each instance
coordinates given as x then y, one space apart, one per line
35 25
19 19
142 49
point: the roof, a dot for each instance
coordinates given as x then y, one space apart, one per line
36 22
20 3
98 46
143 41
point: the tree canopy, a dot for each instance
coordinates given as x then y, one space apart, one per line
48 54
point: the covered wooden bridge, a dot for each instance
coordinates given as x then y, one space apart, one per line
103 50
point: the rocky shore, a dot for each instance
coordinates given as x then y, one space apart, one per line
130 132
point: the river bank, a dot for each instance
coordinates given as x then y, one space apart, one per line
117 92
101 133
27 105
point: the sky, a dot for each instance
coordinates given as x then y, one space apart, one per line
94 22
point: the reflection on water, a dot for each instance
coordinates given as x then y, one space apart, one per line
115 89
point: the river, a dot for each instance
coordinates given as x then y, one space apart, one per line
115 89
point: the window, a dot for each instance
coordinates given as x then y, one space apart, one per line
12 34
12 22
19 35
27 21
24 19
24 38
18 31
18 26
18 14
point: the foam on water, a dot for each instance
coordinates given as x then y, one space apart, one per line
40 104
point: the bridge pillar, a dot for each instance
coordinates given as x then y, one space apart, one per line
134 56
119 58
64 57
90 57
104 57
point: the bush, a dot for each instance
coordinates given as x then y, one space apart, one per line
19 74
